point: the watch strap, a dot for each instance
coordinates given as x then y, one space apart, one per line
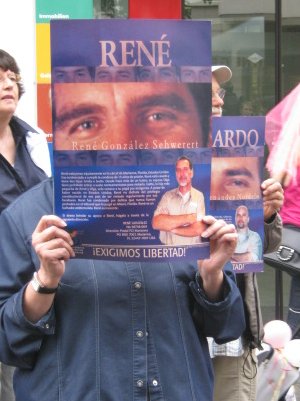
41 288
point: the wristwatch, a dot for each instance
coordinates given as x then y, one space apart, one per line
39 287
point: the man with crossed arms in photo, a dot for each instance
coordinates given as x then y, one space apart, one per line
179 212
235 363
249 246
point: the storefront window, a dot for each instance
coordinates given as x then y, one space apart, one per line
290 53
244 42
243 37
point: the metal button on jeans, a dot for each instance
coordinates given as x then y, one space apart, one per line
139 334
137 285
140 383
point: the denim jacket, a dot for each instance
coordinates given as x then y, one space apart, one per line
116 331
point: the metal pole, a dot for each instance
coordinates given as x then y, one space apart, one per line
278 96
278 29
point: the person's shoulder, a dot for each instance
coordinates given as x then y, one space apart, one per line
22 125
21 217
38 199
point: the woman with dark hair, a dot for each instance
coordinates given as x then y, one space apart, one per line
24 156
24 159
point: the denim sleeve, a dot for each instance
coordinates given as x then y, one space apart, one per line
223 320
20 340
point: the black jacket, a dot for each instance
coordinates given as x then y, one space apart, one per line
25 173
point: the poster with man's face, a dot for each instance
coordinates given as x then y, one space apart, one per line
131 117
236 176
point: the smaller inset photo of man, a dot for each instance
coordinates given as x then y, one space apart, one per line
235 178
178 215
249 245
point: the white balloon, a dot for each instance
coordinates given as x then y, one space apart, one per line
291 352
277 333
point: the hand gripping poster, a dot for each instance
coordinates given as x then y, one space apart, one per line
131 119
236 176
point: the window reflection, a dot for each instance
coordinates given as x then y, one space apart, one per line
242 38
110 8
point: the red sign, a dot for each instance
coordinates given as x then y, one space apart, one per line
169 9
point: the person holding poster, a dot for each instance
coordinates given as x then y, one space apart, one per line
24 160
249 246
179 213
283 163
235 363
100 330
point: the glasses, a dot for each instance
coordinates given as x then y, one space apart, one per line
14 78
220 93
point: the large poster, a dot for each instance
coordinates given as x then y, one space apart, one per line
131 119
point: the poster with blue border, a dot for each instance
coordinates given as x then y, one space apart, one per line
236 175
131 119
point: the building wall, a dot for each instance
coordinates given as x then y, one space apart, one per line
17 22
